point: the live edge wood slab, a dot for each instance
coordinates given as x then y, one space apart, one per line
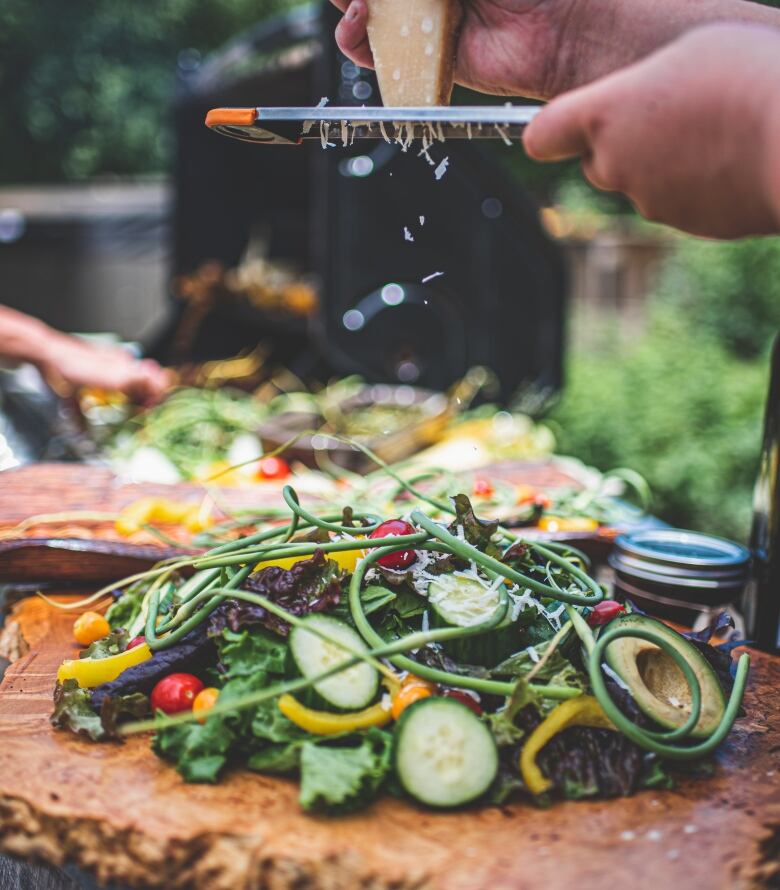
119 812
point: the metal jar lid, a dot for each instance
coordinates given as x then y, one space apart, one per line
682 565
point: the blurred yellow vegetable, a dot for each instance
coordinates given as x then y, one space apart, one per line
570 524
150 510
91 672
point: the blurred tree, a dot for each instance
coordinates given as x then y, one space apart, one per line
85 86
731 290
677 406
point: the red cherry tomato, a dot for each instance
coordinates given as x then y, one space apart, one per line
604 612
175 693
273 468
136 641
463 697
483 488
392 528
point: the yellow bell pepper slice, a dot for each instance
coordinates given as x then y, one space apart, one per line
347 560
581 711
134 516
325 723
90 672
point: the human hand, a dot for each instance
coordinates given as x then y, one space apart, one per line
541 48
68 362
689 134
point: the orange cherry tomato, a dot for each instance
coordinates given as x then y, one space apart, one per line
89 627
205 701
412 690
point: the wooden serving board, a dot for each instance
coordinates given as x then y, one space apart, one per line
122 813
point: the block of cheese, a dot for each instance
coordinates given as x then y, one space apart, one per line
414 42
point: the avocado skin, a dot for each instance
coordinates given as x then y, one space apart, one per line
623 657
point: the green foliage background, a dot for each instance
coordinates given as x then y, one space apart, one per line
682 403
85 88
85 85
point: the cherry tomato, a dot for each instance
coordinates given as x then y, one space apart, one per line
89 627
175 693
483 488
461 696
408 695
273 468
136 641
392 528
205 701
604 612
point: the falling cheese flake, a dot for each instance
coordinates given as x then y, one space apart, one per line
432 276
422 220
502 134
442 168
408 236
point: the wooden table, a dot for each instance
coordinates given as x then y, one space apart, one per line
125 815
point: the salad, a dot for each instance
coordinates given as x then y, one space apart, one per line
443 660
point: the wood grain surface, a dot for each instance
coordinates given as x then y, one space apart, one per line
120 813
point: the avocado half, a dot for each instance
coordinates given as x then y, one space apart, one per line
657 683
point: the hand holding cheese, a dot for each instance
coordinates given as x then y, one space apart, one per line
534 48
413 45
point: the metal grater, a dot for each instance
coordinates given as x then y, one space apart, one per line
342 126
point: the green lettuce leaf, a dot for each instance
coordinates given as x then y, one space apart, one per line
503 723
248 652
270 724
477 532
197 751
73 711
116 708
280 741
281 760
112 644
338 780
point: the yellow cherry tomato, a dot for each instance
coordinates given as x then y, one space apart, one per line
412 689
581 711
91 672
327 723
205 701
89 627
571 524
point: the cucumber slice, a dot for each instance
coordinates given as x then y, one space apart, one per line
445 756
351 689
462 601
